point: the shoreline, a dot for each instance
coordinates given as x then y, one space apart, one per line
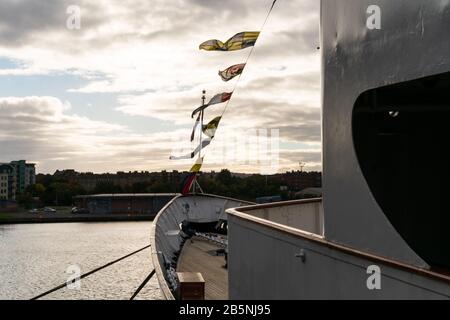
66 218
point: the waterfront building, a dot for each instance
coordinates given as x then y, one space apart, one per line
7 182
143 203
4 186
25 174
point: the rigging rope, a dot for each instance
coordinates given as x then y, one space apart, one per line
89 273
246 61
143 284
248 57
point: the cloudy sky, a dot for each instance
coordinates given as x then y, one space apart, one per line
117 93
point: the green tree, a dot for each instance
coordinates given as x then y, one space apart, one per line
25 200
140 187
61 193
225 177
160 187
36 190
107 187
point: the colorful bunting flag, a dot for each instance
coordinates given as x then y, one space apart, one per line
239 41
197 166
197 122
187 183
210 128
218 98
191 155
232 72
189 180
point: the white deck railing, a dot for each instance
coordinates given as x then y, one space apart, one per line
305 215
280 251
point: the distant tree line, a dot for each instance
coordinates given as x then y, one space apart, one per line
59 193
51 190
245 188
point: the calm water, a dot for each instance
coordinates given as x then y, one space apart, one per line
35 258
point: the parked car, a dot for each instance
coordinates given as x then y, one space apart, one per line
33 211
49 210
76 210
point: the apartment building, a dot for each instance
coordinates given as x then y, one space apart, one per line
4 186
7 182
25 175
15 177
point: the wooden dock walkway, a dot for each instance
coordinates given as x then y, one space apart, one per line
196 257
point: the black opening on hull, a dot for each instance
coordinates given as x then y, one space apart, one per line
401 136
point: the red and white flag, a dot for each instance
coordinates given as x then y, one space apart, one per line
232 72
218 98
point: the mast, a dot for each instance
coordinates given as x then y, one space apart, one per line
196 184
201 123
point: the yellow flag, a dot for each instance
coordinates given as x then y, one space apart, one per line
210 128
197 166
239 41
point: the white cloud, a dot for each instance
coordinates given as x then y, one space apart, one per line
39 129
147 53
141 47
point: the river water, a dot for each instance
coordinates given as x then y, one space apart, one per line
37 257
